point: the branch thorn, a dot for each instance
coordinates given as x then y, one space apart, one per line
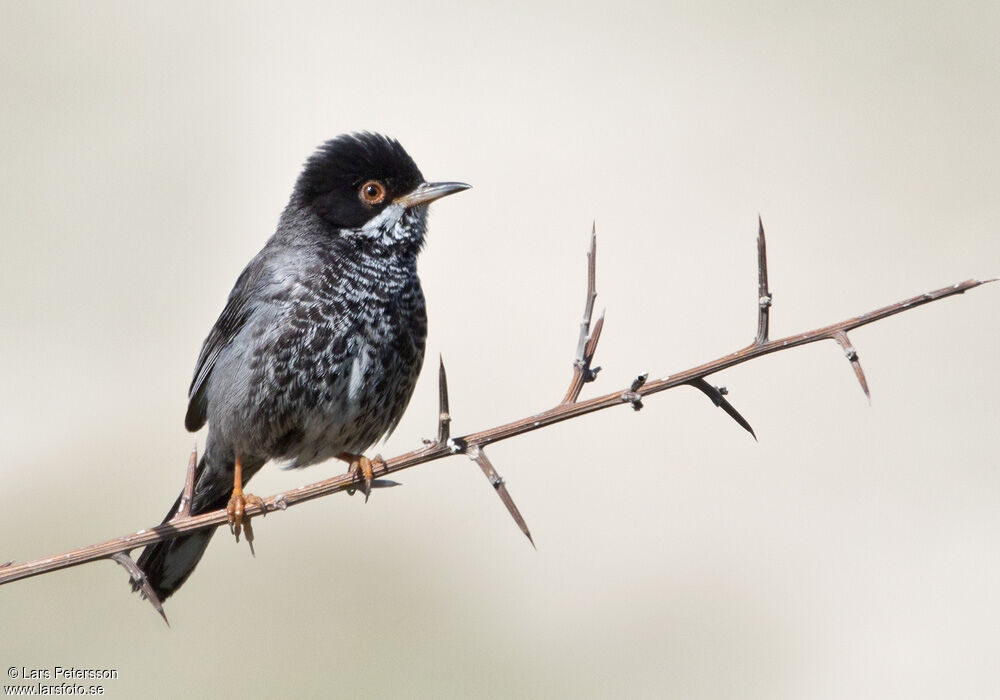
852 356
444 416
718 396
184 510
140 583
478 455
764 297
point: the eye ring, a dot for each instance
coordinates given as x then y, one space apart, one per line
372 193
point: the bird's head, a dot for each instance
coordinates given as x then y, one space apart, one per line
366 186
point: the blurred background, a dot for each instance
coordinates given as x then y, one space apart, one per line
146 151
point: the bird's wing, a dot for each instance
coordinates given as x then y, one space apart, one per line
233 318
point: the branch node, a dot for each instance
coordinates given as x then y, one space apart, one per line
634 399
638 382
632 395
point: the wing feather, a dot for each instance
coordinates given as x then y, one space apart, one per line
239 308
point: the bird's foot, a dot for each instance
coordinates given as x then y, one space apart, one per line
363 470
236 508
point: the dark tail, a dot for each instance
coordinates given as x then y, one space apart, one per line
168 564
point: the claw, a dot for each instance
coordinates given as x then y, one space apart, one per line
363 469
236 509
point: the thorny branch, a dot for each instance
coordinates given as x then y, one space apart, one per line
474 444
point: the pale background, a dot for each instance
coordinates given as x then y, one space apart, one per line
145 154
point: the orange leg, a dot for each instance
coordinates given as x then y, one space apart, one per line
362 469
238 503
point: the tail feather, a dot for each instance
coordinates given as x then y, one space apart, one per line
168 564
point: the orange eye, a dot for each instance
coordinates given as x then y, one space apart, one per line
372 192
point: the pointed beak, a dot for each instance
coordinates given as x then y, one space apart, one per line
427 192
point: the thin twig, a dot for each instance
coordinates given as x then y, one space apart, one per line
557 414
588 309
586 345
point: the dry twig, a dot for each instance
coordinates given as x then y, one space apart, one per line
473 444
587 344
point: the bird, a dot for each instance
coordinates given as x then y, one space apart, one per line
318 348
